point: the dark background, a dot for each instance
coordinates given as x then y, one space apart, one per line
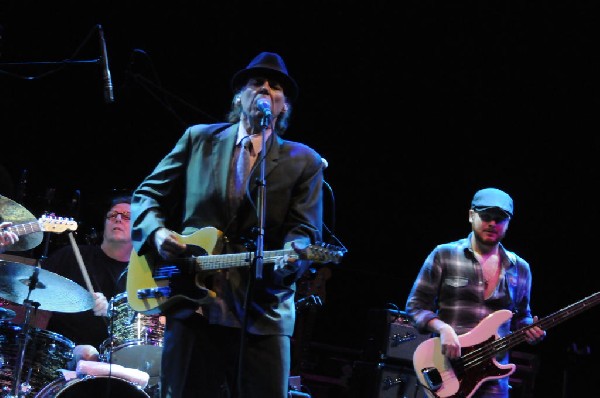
414 104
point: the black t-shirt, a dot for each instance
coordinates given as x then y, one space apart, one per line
106 275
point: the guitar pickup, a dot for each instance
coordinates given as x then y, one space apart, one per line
166 272
155 292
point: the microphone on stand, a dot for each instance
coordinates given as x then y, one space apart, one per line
108 86
264 106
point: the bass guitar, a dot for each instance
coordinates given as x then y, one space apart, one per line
150 280
461 377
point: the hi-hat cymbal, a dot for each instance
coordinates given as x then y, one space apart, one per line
12 211
52 291
6 314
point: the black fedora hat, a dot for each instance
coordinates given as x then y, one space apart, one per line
267 64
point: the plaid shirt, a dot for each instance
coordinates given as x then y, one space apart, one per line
450 287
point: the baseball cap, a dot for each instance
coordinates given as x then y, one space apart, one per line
490 198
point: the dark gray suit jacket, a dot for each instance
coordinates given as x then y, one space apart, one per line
187 191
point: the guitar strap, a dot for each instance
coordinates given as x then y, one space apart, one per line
517 294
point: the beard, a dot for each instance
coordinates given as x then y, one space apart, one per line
483 238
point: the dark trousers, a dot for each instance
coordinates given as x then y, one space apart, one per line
201 361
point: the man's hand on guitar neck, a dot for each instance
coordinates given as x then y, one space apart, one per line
535 334
7 237
286 268
168 244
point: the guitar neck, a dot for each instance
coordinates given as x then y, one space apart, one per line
569 312
549 321
25 229
222 261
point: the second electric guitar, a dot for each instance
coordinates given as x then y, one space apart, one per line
150 280
461 377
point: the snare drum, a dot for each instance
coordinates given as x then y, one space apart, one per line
92 387
136 340
45 353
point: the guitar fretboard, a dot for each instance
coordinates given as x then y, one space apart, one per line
27 228
511 340
221 261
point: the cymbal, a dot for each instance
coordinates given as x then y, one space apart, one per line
12 211
6 314
54 292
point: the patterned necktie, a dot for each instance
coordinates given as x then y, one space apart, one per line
242 168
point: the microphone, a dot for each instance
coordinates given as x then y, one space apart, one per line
108 86
325 163
264 106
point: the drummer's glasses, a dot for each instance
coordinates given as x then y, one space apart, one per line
124 215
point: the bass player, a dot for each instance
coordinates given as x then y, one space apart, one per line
462 282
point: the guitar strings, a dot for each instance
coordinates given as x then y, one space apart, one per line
482 354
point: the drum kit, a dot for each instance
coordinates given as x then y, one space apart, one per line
31 358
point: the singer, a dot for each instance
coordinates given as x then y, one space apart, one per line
213 347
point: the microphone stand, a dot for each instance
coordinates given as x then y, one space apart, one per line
265 122
258 260
59 64
24 337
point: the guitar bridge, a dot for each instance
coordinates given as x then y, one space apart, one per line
433 378
155 292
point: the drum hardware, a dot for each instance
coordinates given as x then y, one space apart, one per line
6 314
45 354
54 292
92 387
23 339
135 339
24 283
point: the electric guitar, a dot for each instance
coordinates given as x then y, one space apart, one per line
150 280
46 223
460 378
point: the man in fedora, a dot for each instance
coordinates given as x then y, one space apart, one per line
228 330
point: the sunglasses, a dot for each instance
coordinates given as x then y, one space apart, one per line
496 217
124 215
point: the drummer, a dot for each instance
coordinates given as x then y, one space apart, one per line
105 264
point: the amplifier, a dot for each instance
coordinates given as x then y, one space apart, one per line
390 335
378 380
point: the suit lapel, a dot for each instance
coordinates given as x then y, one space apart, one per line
222 152
271 162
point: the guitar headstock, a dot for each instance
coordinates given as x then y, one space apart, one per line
51 223
325 253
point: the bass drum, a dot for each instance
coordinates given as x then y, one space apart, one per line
92 387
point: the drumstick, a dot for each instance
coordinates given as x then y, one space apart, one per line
86 277
88 282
